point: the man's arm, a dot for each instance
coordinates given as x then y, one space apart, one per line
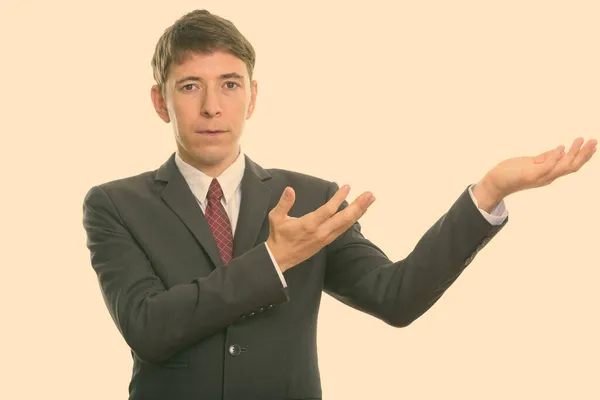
157 322
360 275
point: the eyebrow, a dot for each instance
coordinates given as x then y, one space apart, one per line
230 75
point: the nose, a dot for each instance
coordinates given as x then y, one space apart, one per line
211 106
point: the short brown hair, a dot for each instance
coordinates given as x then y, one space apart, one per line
199 31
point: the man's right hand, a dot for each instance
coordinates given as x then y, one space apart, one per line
293 240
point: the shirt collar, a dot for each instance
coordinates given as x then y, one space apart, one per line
199 182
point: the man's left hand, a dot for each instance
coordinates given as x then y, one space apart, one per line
521 173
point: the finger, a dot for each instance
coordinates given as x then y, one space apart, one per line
572 161
577 143
568 162
548 166
340 222
285 203
584 154
324 212
545 156
574 150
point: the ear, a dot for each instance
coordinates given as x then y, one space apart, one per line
160 105
252 103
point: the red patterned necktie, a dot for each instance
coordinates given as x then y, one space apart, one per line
219 221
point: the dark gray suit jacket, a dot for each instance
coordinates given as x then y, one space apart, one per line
201 330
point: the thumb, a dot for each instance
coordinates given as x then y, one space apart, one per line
285 203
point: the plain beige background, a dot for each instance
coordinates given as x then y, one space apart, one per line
413 102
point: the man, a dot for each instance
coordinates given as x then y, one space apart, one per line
213 272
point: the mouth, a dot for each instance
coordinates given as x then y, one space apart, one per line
211 131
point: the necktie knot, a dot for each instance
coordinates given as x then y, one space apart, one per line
215 192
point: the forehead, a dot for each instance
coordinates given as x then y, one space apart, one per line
207 65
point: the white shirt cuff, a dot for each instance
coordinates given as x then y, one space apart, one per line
281 277
498 214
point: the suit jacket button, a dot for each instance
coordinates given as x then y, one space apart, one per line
235 350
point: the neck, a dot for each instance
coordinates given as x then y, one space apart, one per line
213 170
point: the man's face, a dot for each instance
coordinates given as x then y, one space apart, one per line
208 98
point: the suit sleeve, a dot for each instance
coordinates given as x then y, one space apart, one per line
360 275
157 322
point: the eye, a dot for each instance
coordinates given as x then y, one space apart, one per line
188 87
228 84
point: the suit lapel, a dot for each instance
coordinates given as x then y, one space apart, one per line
255 204
178 196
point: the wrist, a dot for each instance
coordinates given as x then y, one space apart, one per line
279 256
487 195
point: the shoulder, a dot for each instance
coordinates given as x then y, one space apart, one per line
129 187
311 191
308 187
299 177
302 181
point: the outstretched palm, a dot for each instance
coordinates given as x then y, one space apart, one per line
521 173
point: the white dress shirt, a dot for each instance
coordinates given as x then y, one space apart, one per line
231 179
